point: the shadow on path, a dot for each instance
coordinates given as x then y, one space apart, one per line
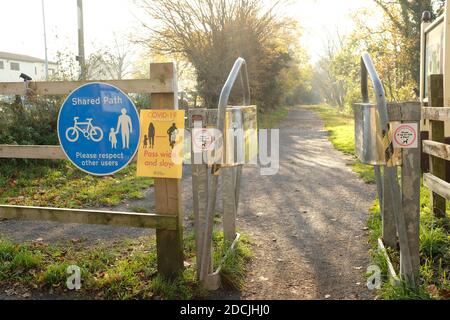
306 223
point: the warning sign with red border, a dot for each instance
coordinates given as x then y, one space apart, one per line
405 136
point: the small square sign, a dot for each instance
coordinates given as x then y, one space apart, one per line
405 136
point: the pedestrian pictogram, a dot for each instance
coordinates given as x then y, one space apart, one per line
162 148
98 129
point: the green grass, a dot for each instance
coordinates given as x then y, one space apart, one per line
434 255
139 209
17 261
123 270
340 126
59 184
234 267
434 232
271 119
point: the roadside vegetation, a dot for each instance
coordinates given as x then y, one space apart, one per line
270 120
434 232
393 41
340 126
59 184
54 183
122 270
112 270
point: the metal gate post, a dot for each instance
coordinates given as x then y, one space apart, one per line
230 205
391 189
239 68
200 181
389 231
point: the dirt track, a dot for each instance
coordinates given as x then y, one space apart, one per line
307 222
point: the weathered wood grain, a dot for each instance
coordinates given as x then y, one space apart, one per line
436 114
437 134
32 152
66 87
437 149
437 185
168 192
136 220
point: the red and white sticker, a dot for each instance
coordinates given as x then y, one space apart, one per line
203 140
405 136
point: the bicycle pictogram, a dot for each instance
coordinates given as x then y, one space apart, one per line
89 131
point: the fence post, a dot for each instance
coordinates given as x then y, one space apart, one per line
410 179
437 134
168 197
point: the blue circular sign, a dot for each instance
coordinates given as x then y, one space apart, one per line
98 129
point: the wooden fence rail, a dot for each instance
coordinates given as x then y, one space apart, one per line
36 152
32 152
155 85
437 185
169 211
436 114
437 149
126 219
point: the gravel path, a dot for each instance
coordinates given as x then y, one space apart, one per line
307 222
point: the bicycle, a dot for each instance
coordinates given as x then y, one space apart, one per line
90 133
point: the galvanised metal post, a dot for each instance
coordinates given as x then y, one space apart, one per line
239 68
390 172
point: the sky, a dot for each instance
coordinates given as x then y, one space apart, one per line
21 23
103 21
321 18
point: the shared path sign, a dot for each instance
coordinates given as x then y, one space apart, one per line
99 129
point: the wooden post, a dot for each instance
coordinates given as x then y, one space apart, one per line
168 197
408 208
437 134
411 173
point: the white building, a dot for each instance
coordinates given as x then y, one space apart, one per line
12 65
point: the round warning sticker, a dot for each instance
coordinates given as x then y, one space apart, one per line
203 139
405 136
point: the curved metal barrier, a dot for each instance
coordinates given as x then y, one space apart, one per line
367 69
387 184
239 69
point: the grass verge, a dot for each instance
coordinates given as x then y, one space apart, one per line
123 270
434 255
271 119
61 185
434 232
340 126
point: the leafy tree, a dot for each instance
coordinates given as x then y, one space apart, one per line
404 18
333 75
211 34
393 42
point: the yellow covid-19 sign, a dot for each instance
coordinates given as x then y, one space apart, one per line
160 152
